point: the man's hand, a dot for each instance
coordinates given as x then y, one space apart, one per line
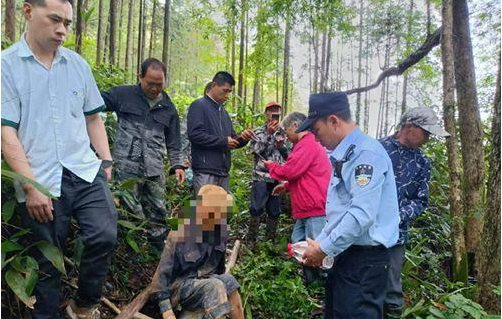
247 134
279 190
267 162
272 127
313 256
108 172
168 315
38 205
187 163
232 143
180 175
279 141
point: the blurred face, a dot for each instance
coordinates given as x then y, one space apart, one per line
325 132
413 136
269 113
48 25
152 83
221 93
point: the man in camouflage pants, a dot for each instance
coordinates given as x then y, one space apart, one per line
268 144
148 123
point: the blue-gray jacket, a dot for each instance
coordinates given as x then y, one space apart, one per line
208 126
413 171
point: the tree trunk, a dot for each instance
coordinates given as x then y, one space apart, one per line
328 59
143 31
106 48
99 43
428 8
153 29
408 45
246 59
240 87
316 61
471 132
359 59
79 28
165 38
459 253
488 266
130 24
140 33
285 70
113 30
10 20
121 24
323 61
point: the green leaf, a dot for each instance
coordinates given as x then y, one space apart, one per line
10 246
9 174
29 267
129 184
436 312
53 254
130 240
18 283
128 224
8 210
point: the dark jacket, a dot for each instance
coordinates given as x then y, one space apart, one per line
209 126
144 133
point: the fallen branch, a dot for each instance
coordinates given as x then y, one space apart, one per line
431 42
233 256
106 301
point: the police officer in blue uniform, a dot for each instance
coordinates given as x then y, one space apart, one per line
361 208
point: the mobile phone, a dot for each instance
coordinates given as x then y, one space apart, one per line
276 116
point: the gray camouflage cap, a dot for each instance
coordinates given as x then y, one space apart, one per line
425 118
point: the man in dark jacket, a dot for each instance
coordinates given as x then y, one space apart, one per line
212 135
148 123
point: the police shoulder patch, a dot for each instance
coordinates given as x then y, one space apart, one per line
363 174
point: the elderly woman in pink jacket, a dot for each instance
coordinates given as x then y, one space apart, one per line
306 176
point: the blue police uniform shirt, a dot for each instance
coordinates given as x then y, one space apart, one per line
361 206
412 171
47 107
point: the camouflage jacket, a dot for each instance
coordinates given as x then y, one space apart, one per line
265 146
143 133
412 170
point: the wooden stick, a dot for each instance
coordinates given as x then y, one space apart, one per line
106 301
233 256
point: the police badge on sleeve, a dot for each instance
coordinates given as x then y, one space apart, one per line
363 174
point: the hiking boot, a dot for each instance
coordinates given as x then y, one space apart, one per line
271 228
76 312
254 225
392 312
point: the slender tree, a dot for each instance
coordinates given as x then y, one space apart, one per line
240 87
153 29
10 20
165 38
99 42
489 249
471 132
113 30
121 23
408 46
79 26
129 37
359 59
285 69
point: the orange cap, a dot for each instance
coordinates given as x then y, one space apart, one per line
273 103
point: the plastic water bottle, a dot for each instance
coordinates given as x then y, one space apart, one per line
297 250
189 175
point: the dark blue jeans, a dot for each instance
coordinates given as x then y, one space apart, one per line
91 204
356 283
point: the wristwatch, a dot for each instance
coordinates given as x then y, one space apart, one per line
106 163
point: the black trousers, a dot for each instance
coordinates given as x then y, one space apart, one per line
91 204
356 284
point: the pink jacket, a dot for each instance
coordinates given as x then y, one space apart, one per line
307 172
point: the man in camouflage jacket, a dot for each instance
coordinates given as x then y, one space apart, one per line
148 123
268 144
412 170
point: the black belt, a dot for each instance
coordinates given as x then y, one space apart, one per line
368 247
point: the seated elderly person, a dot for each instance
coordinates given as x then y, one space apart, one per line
306 175
193 274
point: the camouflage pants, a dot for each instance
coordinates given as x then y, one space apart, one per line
206 298
149 203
